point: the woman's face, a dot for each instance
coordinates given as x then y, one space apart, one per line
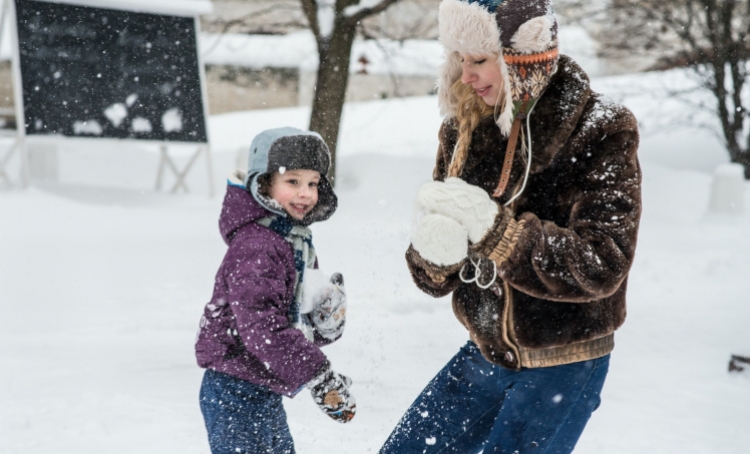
483 74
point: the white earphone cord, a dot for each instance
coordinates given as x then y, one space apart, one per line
528 156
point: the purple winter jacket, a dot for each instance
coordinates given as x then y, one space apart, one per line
244 331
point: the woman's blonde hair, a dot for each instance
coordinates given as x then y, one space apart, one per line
470 110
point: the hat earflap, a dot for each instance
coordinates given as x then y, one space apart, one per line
505 120
450 72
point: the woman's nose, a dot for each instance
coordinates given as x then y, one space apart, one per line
467 76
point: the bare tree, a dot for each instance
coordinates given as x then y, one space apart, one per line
334 24
711 37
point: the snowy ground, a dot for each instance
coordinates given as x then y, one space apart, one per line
102 283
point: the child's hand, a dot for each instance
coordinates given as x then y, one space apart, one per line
329 313
330 391
325 300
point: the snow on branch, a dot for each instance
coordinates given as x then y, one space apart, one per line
326 17
367 8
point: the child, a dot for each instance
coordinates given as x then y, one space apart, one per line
271 308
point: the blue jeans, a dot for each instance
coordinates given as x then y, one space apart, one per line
243 418
474 406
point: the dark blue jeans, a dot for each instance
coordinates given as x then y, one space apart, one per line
243 418
473 405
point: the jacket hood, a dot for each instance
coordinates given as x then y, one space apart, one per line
239 209
522 33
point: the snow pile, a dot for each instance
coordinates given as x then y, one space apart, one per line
728 189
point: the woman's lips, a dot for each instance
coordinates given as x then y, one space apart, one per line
482 91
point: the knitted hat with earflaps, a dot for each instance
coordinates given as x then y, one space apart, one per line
522 33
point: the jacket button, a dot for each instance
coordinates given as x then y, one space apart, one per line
509 357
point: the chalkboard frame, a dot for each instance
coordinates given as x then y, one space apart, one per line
120 5
196 8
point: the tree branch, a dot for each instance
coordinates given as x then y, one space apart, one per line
365 12
310 8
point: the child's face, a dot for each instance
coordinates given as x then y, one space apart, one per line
296 191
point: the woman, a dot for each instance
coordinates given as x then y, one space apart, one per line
531 224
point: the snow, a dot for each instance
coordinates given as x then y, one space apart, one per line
116 113
103 283
350 11
326 16
141 124
171 120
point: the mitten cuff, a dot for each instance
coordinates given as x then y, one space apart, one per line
438 273
320 376
500 241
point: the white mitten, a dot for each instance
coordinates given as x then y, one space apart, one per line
440 240
470 205
314 282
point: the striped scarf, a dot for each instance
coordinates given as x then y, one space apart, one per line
304 257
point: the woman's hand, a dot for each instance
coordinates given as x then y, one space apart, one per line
440 240
467 204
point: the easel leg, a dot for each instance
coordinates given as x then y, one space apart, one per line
4 163
166 162
25 172
160 171
181 175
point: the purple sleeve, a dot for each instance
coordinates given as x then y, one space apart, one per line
259 297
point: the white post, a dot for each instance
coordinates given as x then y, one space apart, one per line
728 189
204 98
17 91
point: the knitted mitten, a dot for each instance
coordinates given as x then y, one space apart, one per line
330 391
329 312
470 205
440 240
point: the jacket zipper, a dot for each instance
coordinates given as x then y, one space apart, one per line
507 323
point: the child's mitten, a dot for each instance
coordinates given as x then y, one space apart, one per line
330 391
468 204
329 313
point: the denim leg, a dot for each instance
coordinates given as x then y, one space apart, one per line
454 413
243 418
545 410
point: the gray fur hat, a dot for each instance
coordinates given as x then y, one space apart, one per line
287 148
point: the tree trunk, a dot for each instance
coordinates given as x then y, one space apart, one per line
727 60
330 88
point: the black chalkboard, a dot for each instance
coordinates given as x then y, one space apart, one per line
98 72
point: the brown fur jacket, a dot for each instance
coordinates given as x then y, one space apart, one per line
564 254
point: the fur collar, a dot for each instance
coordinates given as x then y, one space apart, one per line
556 115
